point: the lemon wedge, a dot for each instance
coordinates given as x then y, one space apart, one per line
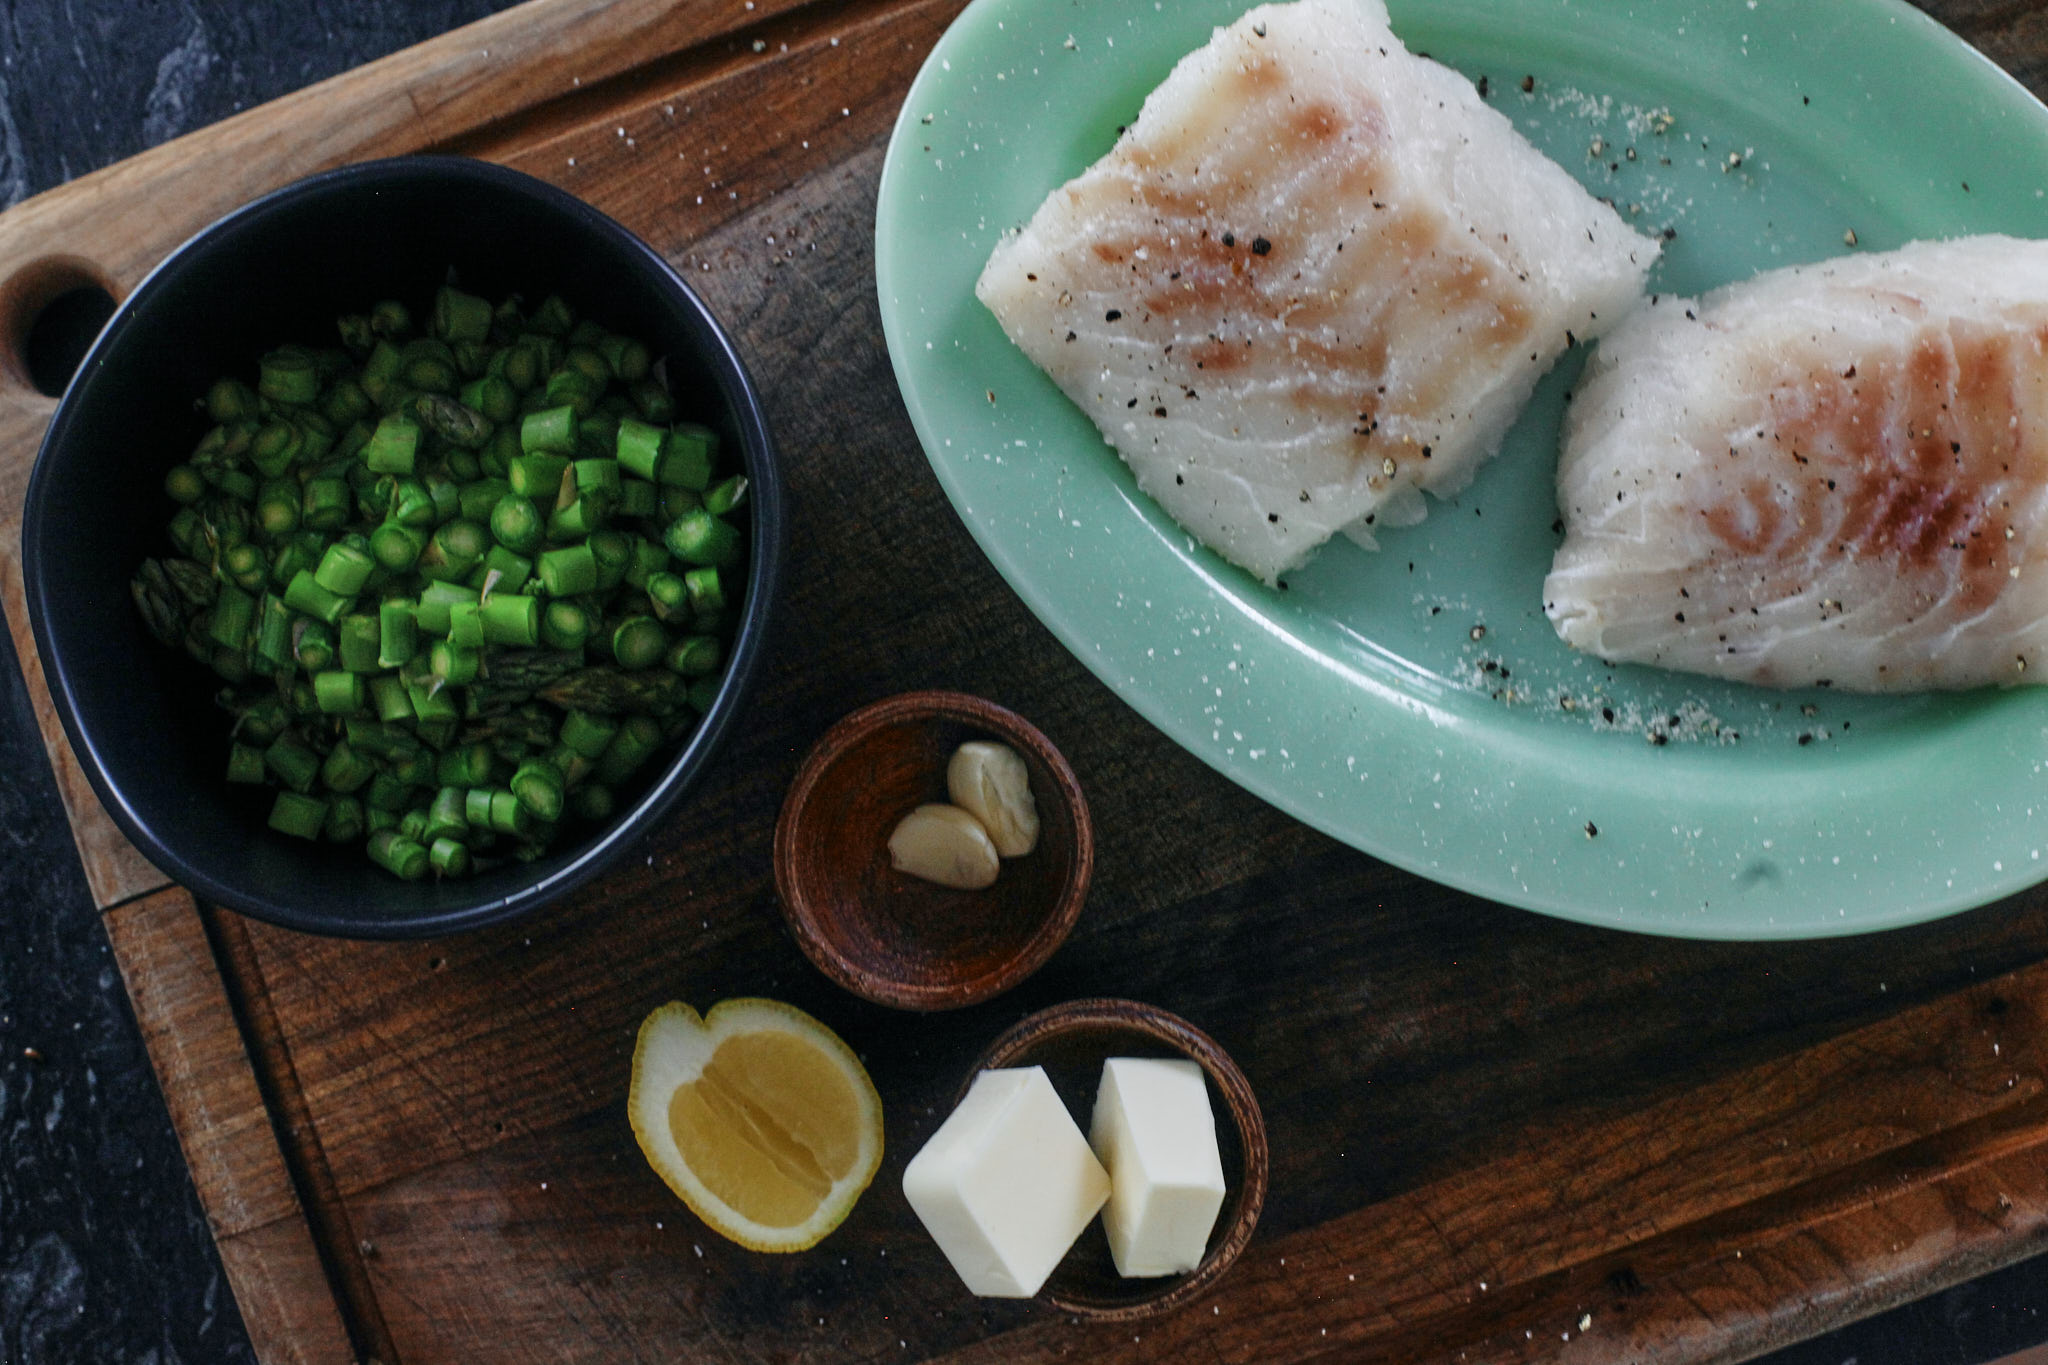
759 1118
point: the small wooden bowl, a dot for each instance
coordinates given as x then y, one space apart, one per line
1071 1042
893 938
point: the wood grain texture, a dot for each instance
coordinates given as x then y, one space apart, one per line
895 939
114 870
326 1215
1487 1128
1072 1041
1675 1228
513 80
224 1127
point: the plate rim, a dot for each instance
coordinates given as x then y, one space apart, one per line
1993 85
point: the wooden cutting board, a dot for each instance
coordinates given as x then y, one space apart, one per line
1495 1137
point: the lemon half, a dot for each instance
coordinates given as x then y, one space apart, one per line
758 1117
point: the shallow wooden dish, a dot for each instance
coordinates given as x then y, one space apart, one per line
1071 1042
892 938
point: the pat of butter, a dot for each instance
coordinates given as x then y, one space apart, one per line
1155 1132
1006 1184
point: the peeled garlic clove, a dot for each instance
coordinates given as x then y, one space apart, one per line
946 845
990 782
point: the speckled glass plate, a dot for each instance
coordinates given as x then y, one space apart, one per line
1412 703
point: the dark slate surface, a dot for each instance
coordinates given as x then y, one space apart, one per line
104 1255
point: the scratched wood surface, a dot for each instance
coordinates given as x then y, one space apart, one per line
1495 1137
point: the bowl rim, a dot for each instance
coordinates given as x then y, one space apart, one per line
1238 1098
832 746
766 548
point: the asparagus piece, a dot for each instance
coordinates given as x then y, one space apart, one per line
551 430
170 593
540 788
649 692
461 317
695 656
406 557
452 421
394 446
588 734
449 858
391 319
505 574
527 671
635 743
398 855
297 815
288 375
592 802
700 538
346 820
639 642
565 626
723 498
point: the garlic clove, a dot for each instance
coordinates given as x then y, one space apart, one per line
945 845
991 783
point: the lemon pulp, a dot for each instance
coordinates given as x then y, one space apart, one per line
769 1127
758 1116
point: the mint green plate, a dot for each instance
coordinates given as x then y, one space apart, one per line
1413 703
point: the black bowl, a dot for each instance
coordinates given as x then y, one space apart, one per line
140 716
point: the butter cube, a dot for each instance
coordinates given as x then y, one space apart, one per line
1155 1132
1006 1184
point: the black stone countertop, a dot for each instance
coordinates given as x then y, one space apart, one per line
104 1254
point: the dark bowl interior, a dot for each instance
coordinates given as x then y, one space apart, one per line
141 717
891 937
1071 1042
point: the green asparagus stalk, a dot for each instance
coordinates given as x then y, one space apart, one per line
449 858
638 737
639 642
540 788
287 375
650 692
568 571
588 734
164 592
345 770
722 499
230 400
695 656
398 855
461 317
505 574
297 815
394 446
527 671
346 820
592 802
549 430
566 626
692 455
391 319
404 555
452 422
245 764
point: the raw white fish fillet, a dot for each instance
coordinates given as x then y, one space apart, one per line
1318 275
1832 475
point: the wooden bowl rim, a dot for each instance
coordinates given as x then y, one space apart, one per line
847 734
1243 1106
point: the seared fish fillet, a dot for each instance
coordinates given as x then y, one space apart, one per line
1833 475
1317 276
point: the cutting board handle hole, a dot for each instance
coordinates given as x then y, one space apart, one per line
50 313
